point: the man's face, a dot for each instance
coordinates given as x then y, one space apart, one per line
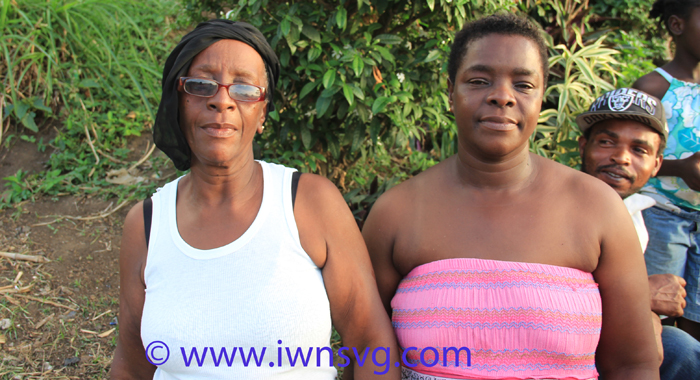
621 153
497 95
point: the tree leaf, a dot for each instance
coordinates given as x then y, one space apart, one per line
306 136
388 39
406 110
404 96
380 104
358 65
342 110
333 145
385 53
307 88
329 78
285 26
322 104
313 54
312 33
374 128
431 5
341 17
347 91
358 92
357 138
433 55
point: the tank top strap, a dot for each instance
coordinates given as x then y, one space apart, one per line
664 74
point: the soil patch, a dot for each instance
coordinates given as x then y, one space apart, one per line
58 316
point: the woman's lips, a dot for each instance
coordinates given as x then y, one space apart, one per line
219 131
498 123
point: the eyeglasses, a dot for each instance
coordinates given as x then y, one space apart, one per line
207 88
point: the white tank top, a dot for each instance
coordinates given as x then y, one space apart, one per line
252 293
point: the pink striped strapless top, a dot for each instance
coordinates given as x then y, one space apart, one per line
518 320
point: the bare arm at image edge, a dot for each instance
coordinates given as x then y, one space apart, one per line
627 347
129 357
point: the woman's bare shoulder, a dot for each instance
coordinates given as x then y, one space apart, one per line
652 83
133 245
577 186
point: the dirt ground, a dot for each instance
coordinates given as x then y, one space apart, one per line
58 314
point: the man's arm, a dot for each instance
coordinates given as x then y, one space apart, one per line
688 169
667 294
356 308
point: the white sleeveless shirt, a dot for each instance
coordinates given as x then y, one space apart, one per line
252 293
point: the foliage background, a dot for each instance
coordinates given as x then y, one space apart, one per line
362 98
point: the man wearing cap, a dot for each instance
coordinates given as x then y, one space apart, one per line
624 135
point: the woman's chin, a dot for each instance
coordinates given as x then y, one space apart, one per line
220 159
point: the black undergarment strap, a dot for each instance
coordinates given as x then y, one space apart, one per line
147 216
295 184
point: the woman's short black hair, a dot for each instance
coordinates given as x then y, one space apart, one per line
499 23
664 9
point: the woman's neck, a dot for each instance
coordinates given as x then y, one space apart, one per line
511 173
213 186
684 67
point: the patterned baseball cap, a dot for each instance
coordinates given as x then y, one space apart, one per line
628 104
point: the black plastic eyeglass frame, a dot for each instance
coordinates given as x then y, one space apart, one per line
263 91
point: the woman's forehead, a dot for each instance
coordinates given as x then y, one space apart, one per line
497 50
229 56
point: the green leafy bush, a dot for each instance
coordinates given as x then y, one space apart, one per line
363 93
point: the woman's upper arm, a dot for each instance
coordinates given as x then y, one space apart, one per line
653 84
627 347
379 234
129 357
356 308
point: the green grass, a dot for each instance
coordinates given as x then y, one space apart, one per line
96 66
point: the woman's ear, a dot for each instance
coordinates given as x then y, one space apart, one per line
261 126
263 117
676 25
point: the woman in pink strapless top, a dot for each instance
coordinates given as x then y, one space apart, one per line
500 264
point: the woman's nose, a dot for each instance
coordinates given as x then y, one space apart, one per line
221 100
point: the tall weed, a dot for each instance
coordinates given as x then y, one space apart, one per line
54 53
97 66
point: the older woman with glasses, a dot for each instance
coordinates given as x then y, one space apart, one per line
238 268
